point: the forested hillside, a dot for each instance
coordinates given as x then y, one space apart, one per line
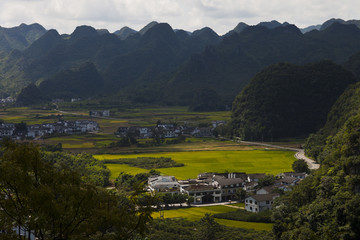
327 204
286 100
346 106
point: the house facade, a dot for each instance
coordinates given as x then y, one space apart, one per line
260 202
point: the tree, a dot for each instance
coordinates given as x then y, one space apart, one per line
208 228
300 166
55 203
240 194
268 180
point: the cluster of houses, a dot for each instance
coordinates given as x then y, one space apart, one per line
38 130
168 130
220 187
7 100
99 113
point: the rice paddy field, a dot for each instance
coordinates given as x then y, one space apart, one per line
254 161
196 213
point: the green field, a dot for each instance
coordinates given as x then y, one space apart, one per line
196 213
256 161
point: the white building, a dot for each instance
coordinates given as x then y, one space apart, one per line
260 202
163 184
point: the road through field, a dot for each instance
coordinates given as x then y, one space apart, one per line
300 154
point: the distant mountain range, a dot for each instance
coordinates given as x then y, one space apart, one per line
159 64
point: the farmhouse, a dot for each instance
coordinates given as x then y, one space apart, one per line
203 193
99 113
228 186
301 175
255 177
7 129
260 202
163 184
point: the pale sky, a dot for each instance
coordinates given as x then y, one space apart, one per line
220 15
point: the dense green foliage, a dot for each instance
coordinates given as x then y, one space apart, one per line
90 169
130 182
346 106
206 228
54 203
147 162
82 82
30 95
300 166
326 205
268 180
287 100
206 99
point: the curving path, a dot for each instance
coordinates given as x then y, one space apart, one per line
300 154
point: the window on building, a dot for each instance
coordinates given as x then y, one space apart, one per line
255 202
250 201
250 208
267 202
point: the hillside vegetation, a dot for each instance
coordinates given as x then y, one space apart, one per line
286 100
326 205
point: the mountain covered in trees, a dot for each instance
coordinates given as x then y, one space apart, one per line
326 204
161 65
286 100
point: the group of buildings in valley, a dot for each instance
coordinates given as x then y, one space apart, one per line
21 130
7 100
220 187
168 130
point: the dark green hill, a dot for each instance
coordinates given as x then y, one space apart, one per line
353 64
29 95
19 37
81 82
286 100
83 32
125 32
326 205
346 106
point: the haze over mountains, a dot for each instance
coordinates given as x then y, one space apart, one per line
158 64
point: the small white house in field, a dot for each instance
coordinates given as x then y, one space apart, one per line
260 202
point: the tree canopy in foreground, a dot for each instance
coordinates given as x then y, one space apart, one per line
55 203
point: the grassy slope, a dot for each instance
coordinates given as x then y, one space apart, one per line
196 213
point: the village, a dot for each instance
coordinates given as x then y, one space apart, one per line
168 130
227 187
22 130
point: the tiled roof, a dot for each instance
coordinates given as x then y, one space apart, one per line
264 197
229 181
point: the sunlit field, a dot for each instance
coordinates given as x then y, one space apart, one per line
256 161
